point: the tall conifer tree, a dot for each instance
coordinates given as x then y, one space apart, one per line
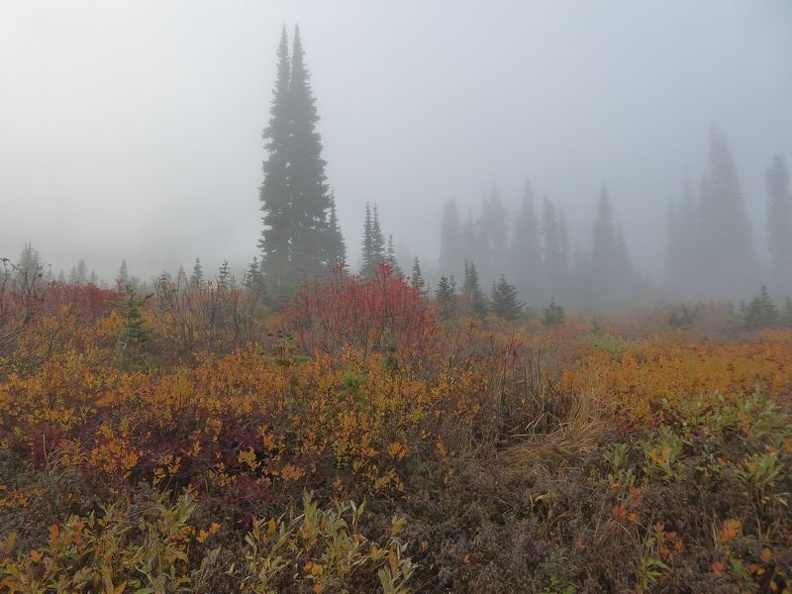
307 180
336 247
378 246
373 241
123 276
683 261
493 234
610 264
300 237
197 280
472 289
554 250
390 257
729 259
446 298
526 248
29 266
367 245
450 239
276 203
505 300
417 278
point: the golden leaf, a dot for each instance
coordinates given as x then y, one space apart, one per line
766 555
730 529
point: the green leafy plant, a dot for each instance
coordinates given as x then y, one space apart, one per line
663 455
323 550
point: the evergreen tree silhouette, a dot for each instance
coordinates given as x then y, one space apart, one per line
301 237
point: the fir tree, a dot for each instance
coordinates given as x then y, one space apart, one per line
82 273
78 276
493 232
417 278
526 248
336 247
729 260
446 298
470 239
122 279
310 195
181 278
450 238
610 265
378 239
367 244
197 277
472 290
553 315
225 305
373 244
505 301
135 336
683 257
258 297
28 267
604 241
299 238
224 276
553 248
166 292
253 276
390 257
276 202
761 312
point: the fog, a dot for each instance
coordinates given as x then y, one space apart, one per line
132 129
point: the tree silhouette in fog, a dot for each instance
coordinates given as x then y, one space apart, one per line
300 236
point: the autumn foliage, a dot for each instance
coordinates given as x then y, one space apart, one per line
348 443
380 313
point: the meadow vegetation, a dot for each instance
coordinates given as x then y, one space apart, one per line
354 441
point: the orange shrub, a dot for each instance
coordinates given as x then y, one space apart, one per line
674 366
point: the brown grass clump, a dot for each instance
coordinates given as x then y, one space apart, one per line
576 435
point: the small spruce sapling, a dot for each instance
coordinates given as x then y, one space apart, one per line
135 336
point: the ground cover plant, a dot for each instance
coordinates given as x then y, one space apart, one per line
355 441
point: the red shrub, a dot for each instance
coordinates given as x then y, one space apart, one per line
381 313
89 300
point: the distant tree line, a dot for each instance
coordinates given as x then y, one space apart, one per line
710 255
533 252
511 261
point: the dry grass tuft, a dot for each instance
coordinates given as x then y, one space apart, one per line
576 435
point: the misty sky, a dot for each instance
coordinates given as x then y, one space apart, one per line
132 129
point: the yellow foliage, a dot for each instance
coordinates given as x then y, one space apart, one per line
729 530
673 367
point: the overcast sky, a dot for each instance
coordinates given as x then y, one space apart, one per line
132 129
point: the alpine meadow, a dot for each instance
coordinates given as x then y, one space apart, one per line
513 315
